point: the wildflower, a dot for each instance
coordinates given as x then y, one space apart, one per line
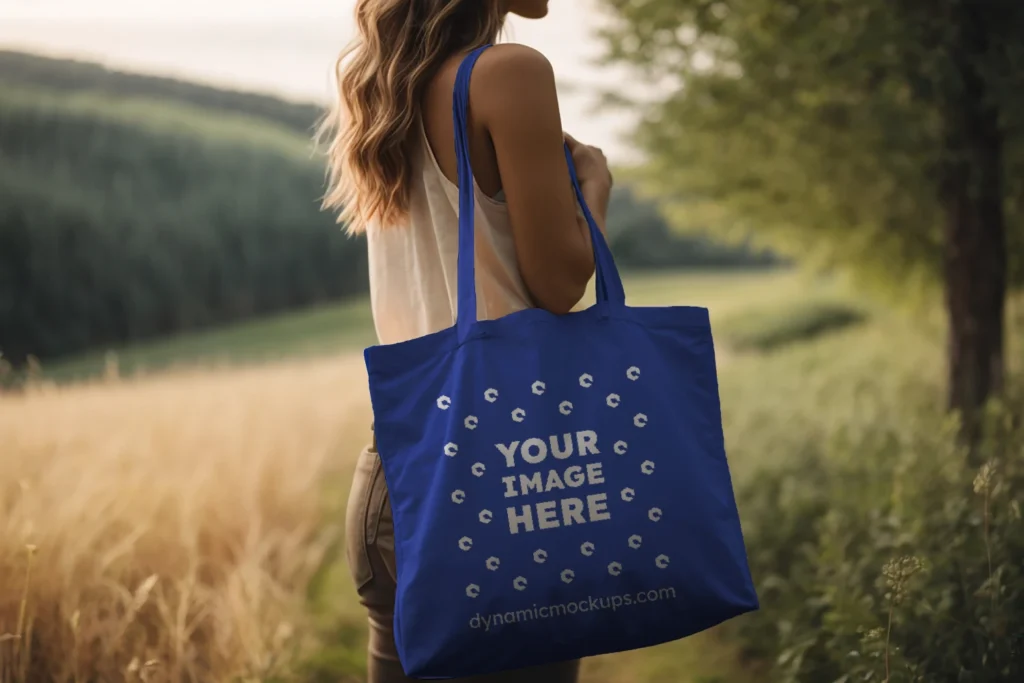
897 572
873 635
983 480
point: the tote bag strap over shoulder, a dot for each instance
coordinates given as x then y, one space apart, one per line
608 284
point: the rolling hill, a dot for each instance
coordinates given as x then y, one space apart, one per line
134 207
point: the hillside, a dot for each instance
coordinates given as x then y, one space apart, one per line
134 207
124 217
64 75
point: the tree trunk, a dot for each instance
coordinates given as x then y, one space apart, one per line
975 234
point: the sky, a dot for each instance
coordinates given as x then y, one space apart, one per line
288 47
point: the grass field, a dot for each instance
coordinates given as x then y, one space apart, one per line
191 518
344 327
313 332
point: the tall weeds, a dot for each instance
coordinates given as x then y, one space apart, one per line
900 494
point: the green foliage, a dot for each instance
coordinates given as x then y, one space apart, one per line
844 461
825 529
124 220
821 128
766 329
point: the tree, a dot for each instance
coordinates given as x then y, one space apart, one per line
879 135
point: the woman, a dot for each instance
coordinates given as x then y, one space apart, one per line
393 173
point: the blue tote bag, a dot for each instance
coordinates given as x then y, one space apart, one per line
559 484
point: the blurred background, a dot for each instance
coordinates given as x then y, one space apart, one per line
182 395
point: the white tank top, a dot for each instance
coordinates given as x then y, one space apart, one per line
413 290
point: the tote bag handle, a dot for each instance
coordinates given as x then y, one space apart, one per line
608 283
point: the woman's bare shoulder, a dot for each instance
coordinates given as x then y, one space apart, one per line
512 62
510 77
506 56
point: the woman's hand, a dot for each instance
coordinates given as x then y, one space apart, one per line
595 178
591 164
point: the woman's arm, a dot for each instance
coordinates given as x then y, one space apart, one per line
513 95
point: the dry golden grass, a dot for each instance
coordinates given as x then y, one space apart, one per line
173 521
176 522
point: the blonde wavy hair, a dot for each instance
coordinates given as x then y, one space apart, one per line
381 77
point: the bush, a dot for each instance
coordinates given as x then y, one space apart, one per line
886 553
